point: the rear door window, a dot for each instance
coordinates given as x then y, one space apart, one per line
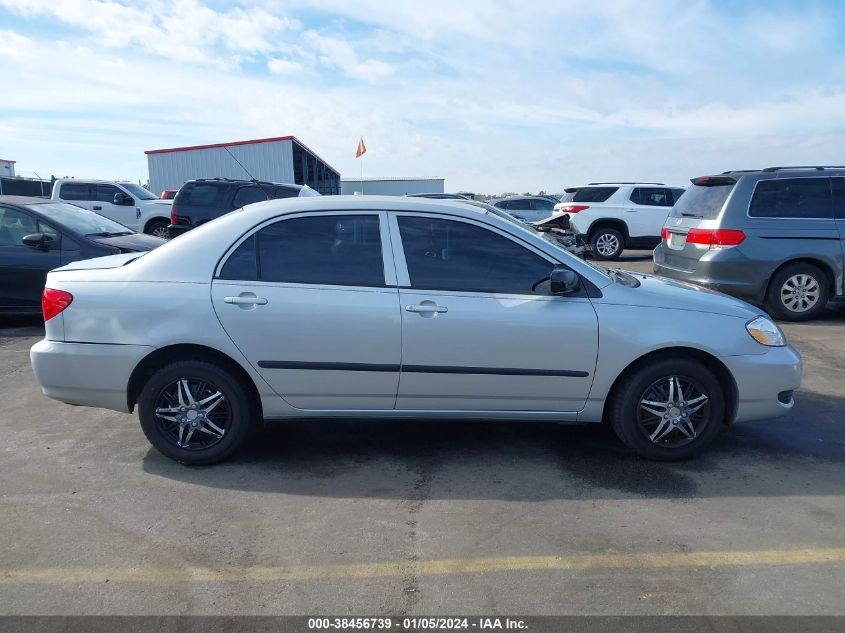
594 194
285 192
792 198
838 198
248 195
75 191
541 204
201 194
650 196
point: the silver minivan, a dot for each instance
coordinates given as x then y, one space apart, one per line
772 236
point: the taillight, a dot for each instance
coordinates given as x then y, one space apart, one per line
664 233
720 238
575 208
54 301
174 216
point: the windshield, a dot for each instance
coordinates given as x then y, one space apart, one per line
702 202
138 191
79 220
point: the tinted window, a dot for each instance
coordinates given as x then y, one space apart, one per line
51 233
248 195
285 192
343 250
792 198
702 202
650 196
242 264
593 194
14 225
79 220
520 204
74 191
541 204
839 197
201 194
449 255
676 194
105 193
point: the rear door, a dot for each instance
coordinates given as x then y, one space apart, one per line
648 208
479 330
23 268
838 185
311 302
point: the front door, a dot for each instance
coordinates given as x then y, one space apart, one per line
311 302
480 330
23 269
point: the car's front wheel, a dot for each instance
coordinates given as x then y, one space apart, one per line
798 292
158 228
607 243
668 410
195 412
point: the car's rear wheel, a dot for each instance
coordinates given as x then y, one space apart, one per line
195 412
668 410
607 243
158 228
798 292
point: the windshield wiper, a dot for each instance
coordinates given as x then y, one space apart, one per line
691 215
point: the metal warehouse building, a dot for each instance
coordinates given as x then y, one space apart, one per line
281 159
391 186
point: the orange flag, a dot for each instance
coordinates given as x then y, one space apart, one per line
362 149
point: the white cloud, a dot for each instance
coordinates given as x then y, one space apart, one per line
279 66
340 54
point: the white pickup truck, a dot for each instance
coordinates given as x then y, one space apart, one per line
612 216
124 202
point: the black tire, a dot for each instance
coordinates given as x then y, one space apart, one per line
207 446
157 228
634 425
607 243
789 300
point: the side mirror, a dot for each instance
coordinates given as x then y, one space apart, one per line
123 200
564 281
37 240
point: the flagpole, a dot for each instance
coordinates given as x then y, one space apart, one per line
362 174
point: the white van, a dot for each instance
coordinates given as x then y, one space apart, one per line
125 202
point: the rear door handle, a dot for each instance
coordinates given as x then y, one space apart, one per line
427 308
246 300
98 208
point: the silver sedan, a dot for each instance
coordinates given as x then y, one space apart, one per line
399 307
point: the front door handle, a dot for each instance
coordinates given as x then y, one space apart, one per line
246 300
98 208
427 307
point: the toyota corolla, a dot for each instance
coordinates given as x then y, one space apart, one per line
396 307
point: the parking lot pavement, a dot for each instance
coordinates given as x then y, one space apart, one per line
423 518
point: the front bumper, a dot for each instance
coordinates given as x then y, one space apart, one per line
87 374
761 379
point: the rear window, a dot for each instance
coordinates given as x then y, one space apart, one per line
201 195
792 198
75 191
702 202
593 194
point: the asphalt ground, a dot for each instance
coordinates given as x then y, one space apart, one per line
429 518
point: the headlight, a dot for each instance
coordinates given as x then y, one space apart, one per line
765 332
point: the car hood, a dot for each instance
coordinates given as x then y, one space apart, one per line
167 202
134 242
660 292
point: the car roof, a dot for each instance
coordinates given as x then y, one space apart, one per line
95 181
235 181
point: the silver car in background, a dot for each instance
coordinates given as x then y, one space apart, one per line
365 306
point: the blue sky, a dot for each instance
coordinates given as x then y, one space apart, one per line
493 96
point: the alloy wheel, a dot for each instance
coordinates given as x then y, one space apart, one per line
607 244
800 293
673 411
192 413
160 231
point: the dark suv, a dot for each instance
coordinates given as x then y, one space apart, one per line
772 236
199 201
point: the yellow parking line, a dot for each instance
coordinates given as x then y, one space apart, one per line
145 574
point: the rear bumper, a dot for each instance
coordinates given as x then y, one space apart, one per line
722 270
761 379
87 374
